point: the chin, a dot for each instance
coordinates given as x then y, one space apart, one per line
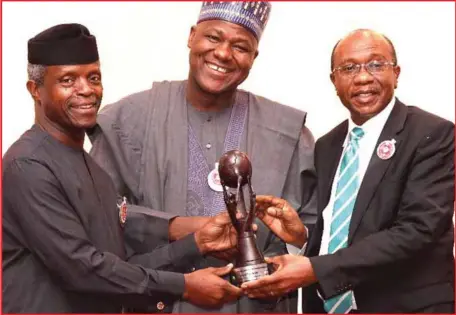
85 124
211 86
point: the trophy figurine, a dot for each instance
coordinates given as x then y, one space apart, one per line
235 171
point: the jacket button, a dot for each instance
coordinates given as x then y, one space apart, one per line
160 306
193 268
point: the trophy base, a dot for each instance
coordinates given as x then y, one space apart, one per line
249 273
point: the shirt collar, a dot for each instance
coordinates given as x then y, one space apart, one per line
374 124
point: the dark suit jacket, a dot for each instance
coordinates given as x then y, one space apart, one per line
400 245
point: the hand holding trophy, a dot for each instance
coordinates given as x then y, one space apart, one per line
235 172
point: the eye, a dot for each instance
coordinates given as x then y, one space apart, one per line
350 68
95 79
66 81
376 65
241 48
212 38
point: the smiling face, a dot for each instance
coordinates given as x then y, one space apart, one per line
364 95
69 98
221 56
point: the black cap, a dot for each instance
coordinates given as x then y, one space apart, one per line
63 44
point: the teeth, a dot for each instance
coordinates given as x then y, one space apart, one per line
219 69
365 94
85 106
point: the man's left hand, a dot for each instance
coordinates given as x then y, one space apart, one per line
279 216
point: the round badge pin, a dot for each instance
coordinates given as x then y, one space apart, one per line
123 212
386 149
213 179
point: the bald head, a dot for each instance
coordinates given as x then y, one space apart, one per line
363 33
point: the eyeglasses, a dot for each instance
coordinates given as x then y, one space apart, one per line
373 67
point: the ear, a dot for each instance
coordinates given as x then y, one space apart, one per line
332 78
397 72
34 90
256 54
191 36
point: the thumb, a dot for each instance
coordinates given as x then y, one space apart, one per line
274 212
276 261
221 271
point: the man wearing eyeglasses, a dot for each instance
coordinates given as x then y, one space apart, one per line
383 241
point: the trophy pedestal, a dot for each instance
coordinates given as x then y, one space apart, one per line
249 273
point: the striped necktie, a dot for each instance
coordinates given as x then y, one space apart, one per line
344 202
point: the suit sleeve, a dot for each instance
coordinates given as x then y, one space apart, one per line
55 234
300 187
424 213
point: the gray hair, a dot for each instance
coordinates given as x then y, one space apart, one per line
36 73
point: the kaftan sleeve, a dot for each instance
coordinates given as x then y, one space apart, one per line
55 234
300 188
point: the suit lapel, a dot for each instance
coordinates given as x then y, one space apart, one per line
327 155
377 167
332 150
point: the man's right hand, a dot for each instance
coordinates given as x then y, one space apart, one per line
282 219
217 235
206 288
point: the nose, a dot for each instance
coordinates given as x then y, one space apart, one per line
363 76
84 88
223 51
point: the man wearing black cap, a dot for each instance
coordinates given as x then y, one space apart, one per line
63 247
161 145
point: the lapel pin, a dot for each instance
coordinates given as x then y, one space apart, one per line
386 149
213 179
123 212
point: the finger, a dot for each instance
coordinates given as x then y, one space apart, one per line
272 201
263 202
254 227
260 293
257 295
260 283
232 291
263 293
221 271
277 261
263 198
275 212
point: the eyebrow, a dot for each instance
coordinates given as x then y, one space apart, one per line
372 56
235 38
